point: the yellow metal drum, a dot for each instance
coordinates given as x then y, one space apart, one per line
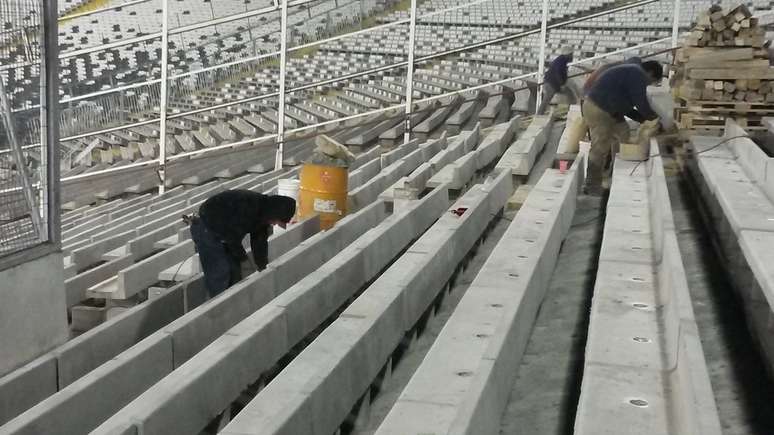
323 191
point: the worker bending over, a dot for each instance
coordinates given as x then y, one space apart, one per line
597 72
223 221
618 92
555 81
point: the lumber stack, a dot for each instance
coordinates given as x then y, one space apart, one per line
722 71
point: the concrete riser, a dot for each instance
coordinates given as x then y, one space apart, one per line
316 394
759 314
640 263
169 407
195 325
488 331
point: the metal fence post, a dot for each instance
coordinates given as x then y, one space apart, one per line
281 96
50 120
542 58
410 71
163 98
676 24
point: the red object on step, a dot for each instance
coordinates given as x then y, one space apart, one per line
459 211
562 166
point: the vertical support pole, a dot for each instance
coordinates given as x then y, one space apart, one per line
163 103
250 34
542 58
410 71
675 38
49 87
283 67
676 24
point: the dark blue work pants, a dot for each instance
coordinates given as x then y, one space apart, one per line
221 269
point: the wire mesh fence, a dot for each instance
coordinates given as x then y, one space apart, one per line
346 60
23 198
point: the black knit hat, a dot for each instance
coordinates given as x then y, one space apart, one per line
655 69
280 207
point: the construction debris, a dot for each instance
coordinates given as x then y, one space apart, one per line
723 71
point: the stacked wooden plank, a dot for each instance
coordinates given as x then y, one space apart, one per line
716 28
722 72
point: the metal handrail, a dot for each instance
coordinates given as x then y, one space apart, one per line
241 143
513 36
100 10
401 64
257 57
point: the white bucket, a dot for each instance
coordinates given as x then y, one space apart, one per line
288 188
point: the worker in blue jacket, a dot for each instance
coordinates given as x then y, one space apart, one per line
619 92
555 80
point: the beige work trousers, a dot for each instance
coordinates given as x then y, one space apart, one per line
607 133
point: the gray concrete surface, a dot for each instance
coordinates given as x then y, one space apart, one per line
402 370
544 397
116 382
463 384
196 392
522 153
33 314
736 369
644 367
361 340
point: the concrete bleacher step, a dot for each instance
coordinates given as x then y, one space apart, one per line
131 245
360 342
457 173
496 110
465 112
190 337
80 192
393 165
392 136
487 333
200 169
644 361
369 134
81 355
141 275
736 186
289 311
522 154
234 303
569 142
437 118
413 184
295 263
495 142
105 186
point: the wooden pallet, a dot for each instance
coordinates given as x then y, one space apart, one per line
730 113
741 106
693 122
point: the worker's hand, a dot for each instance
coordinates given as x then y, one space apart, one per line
670 129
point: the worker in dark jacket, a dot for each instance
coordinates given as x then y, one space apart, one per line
555 80
619 92
223 222
596 73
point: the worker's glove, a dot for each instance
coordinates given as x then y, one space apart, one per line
647 130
